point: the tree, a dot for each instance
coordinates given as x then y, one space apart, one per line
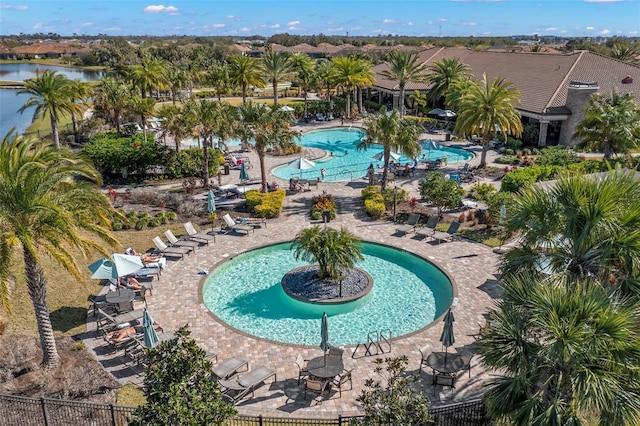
399 402
268 127
442 74
143 108
626 52
149 74
111 97
394 134
326 76
276 67
175 123
244 71
585 226
611 124
218 77
404 68
178 388
350 73
51 94
176 78
334 251
568 351
487 107
444 193
50 204
417 100
303 66
79 94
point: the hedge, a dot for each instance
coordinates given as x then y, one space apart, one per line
266 204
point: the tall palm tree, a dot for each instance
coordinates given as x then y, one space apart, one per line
335 251
176 78
175 123
350 73
149 75
587 227
217 76
51 94
404 68
244 71
442 74
80 93
268 127
207 117
143 108
326 76
303 65
276 67
567 351
485 108
111 96
392 132
50 203
611 124
626 52
417 100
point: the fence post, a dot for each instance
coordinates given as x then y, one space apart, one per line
45 417
339 420
113 414
260 419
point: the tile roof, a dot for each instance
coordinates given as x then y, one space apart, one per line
44 48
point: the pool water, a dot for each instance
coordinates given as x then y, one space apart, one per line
345 162
245 292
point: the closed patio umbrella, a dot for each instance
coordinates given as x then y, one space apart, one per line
244 175
150 336
211 204
324 335
447 338
118 265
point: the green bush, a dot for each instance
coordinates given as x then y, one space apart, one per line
507 159
144 215
323 202
556 156
269 205
171 216
375 208
154 222
116 225
482 191
190 162
142 224
371 191
132 215
387 195
520 178
253 197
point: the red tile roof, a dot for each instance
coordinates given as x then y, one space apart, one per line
45 48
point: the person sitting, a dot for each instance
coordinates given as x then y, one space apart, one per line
130 283
294 186
392 168
131 252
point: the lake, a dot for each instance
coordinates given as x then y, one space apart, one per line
11 102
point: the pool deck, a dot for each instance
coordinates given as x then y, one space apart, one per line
176 301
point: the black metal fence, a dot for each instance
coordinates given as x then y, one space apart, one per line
20 411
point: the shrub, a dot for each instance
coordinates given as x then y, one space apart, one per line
387 195
253 197
144 215
557 156
154 222
375 208
171 216
323 202
266 205
116 225
371 191
444 193
480 191
520 178
506 159
142 224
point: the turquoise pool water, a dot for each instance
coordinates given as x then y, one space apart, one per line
245 292
345 162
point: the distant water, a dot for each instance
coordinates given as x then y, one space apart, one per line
11 102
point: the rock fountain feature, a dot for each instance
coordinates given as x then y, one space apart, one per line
304 284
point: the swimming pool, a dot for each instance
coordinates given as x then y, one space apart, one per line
245 292
345 162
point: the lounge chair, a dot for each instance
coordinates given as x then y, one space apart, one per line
410 225
176 242
106 322
228 368
430 228
237 227
198 236
170 251
243 384
446 236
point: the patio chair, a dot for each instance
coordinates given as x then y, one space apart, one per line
229 367
170 251
336 352
243 384
198 236
448 235
176 242
429 229
301 363
342 380
444 379
316 385
425 351
466 356
410 225
237 227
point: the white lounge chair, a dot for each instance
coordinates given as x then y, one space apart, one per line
175 242
236 227
170 251
198 236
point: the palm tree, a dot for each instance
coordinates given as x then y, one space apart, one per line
392 132
244 71
587 227
626 52
176 78
268 127
326 76
111 97
350 73
610 124
417 100
149 75
49 204
51 94
335 251
485 108
218 78
442 74
276 67
207 117
568 352
175 123
303 65
80 93
404 68
143 108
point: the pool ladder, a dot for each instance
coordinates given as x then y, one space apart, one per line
379 340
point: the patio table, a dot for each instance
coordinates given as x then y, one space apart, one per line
325 367
453 364
122 299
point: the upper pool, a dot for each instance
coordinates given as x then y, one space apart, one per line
345 162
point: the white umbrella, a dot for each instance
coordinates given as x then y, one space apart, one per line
392 155
447 114
287 108
436 111
301 164
118 266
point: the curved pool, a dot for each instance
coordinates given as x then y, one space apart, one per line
345 162
245 293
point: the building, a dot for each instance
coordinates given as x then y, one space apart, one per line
554 89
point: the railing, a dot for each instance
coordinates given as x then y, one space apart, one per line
20 411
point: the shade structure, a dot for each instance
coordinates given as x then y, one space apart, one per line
429 145
392 155
447 114
211 202
244 175
436 111
150 336
118 266
301 164
286 108
447 338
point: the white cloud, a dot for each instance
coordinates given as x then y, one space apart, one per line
40 27
389 21
218 26
86 24
114 29
633 32
160 8
230 16
442 20
604 32
293 23
14 6
244 29
468 23
551 29
590 28
275 26
410 24
335 30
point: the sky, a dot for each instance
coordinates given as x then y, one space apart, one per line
434 18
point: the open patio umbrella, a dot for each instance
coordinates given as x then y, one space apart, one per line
286 108
429 145
118 265
392 155
301 164
324 335
150 336
436 111
447 114
447 338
